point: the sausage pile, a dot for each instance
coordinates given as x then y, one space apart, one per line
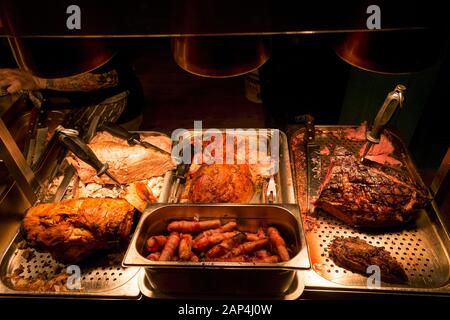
212 241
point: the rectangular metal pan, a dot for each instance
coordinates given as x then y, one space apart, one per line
422 247
283 177
99 278
221 277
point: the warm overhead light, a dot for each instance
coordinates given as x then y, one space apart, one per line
220 56
393 52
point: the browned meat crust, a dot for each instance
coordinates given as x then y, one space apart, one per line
357 255
73 229
221 183
369 195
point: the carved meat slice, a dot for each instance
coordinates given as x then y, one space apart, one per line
126 163
357 255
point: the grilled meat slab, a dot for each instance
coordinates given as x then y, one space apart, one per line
357 255
126 163
368 195
73 229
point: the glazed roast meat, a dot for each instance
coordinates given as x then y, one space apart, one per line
73 229
221 183
368 195
357 255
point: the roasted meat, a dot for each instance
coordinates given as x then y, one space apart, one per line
357 255
139 195
221 183
126 163
368 195
73 229
381 152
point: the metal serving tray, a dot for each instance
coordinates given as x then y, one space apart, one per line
221 278
283 178
292 293
100 277
421 247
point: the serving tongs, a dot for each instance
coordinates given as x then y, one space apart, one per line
393 101
180 177
69 138
132 138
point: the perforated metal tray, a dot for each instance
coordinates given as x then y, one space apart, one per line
421 247
101 275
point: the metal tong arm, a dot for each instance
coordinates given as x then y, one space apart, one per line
131 138
393 100
82 151
118 131
181 171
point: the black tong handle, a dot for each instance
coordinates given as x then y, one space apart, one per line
121 132
82 151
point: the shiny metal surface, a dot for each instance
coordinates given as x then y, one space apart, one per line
99 277
392 52
422 247
221 57
292 293
16 164
221 277
284 182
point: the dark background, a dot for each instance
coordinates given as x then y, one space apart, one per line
303 75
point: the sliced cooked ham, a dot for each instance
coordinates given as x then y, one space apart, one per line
381 152
126 163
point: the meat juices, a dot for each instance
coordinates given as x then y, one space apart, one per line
357 255
368 195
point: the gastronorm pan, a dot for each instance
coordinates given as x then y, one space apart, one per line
101 276
224 278
283 175
421 247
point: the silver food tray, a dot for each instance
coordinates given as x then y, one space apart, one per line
294 292
104 277
221 278
421 247
283 178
